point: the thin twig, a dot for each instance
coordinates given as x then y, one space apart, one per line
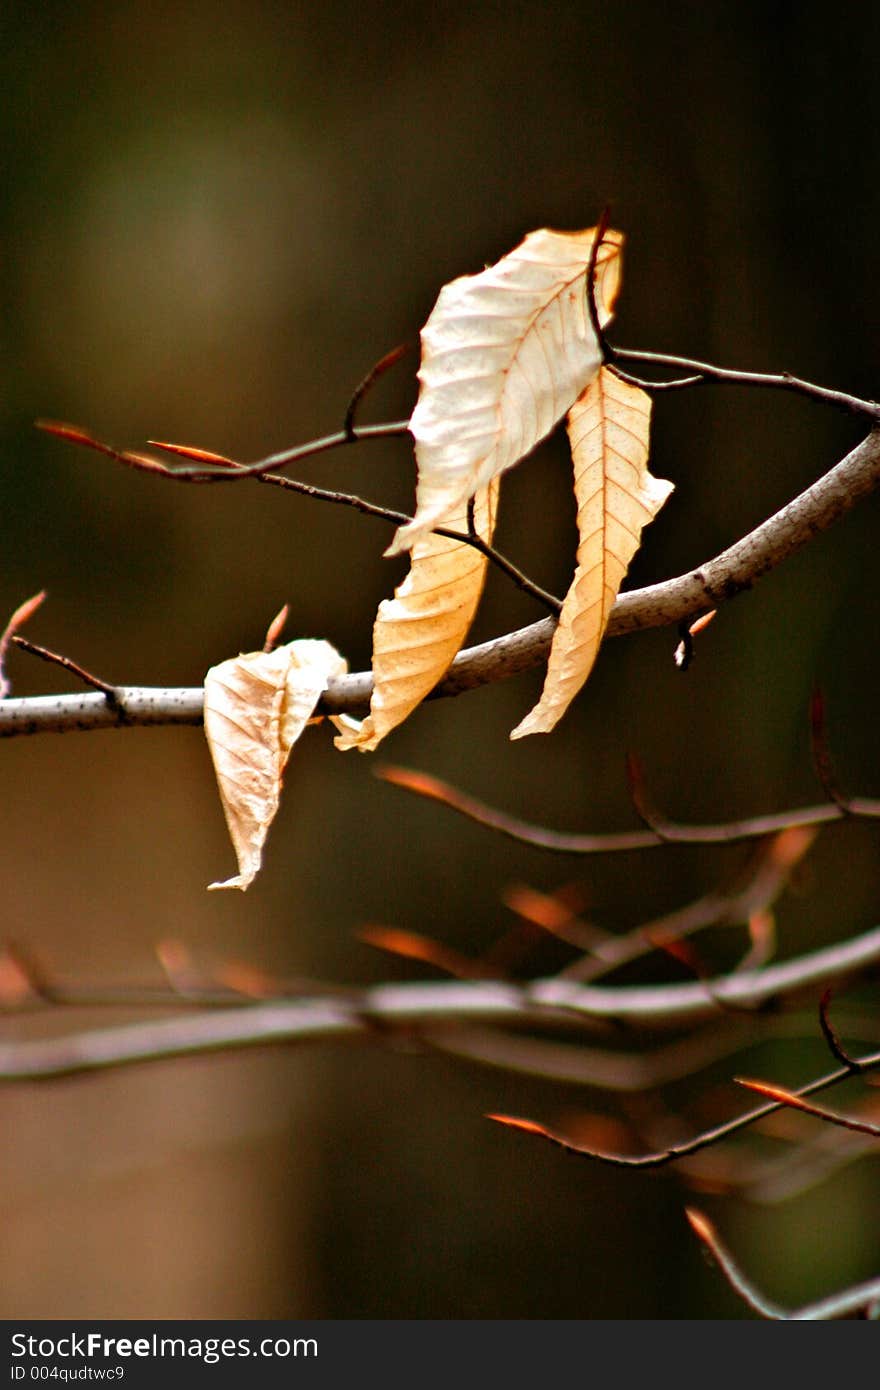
378 370
703 1228
604 952
42 989
798 1170
385 1009
821 753
835 1046
705 1139
706 371
56 659
530 1056
758 889
679 384
819 1112
592 307
840 1305
660 605
338 440
541 837
469 537
227 469
573 842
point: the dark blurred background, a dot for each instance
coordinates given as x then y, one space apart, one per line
214 219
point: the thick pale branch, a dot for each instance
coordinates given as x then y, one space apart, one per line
384 1009
660 605
134 705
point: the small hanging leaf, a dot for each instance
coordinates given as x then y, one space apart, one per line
505 354
418 632
256 707
616 496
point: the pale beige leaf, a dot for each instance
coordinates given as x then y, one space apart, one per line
256 707
616 496
505 354
418 631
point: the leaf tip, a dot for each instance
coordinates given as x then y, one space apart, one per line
240 881
402 540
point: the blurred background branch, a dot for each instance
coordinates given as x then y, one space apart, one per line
384 1008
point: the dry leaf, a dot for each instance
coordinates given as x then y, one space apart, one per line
418 631
505 354
616 496
256 707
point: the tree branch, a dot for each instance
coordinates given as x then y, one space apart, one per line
858 1299
667 832
699 372
728 574
387 1009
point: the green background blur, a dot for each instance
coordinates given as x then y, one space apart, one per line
213 220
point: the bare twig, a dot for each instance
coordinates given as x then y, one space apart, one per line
758 889
840 1305
229 983
552 1002
679 384
802 1168
660 1158
56 659
673 832
604 951
592 308
381 367
822 760
703 1228
835 1046
819 1112
264 471
725 376
666 831
435 789
660 605
223 469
